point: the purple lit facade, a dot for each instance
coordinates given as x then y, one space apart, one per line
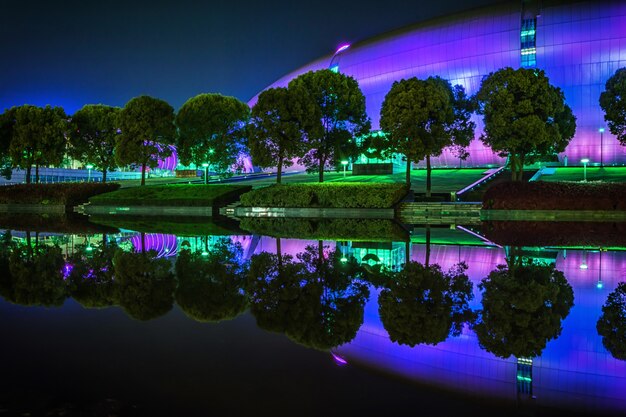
579 45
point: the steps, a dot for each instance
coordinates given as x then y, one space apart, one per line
438 213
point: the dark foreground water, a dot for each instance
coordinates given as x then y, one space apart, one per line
156 324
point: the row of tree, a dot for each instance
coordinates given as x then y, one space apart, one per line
316 298
319 119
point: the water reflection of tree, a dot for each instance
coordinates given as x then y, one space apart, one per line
612 323
211 286
32 274
145 284
316 300
423 304
91 274
523 306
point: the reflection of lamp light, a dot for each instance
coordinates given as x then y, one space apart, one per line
583 264
338 359
585 161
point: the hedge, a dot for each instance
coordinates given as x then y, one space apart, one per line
53 194
326 195
556 196
188 195
370 230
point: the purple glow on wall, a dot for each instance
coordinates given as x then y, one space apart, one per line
170 162
579 45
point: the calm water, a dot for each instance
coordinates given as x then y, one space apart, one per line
127 323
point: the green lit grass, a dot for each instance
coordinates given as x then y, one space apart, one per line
443 180
180 226
168 195
608 174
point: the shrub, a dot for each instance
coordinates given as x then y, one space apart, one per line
61 194
326 195
555 196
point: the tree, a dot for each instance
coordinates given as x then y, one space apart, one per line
145 284
337 116
210 287
523 306
422 304
278 124
613 102
525 117
211 130
93 135
147 126
612 323
91 275
316 301
38 138
421 118
7 121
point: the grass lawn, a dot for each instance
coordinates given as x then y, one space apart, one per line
168 195
443 180
180 227
608 174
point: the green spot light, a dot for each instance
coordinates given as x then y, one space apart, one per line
205 164
88 248
344 162
89 166
211 151
584 161
343 259
205 253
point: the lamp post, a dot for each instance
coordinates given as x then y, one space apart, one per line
206 172
601 130
89 167
585 161
345 164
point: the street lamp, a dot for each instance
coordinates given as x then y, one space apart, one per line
585 161
345 164
601 130
89 167
206 172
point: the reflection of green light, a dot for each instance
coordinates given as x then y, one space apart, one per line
524 378
211 151
205 253
89 249
343 259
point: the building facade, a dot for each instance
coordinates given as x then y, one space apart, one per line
579 44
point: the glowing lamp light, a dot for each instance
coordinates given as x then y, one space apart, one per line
343 259
205 253
584 266
342 48
345 164
599 285
89 166
585 161
601 130
205 165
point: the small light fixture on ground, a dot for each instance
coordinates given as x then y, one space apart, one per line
585 161
89 167
345 164
206 172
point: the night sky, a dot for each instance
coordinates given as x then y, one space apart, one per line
71 53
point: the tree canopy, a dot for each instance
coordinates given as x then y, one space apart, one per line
523 306
93 135
612 323
613 102
338 117
211 286
525 116
211 130
7 120
38 137
147 126
423 304
278 127
421 118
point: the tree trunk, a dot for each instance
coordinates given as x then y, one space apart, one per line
143 174
28 171
408 172
321 173
279 173
143 242
104 175
279 254
36 173
428 180
520 173
427 258
513 162
104 241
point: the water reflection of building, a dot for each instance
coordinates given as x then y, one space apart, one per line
575 370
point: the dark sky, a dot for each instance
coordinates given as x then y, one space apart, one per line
71 53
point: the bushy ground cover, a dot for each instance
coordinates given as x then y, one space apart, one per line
326 195
606 174
186 195
53 194
543 195
180 226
